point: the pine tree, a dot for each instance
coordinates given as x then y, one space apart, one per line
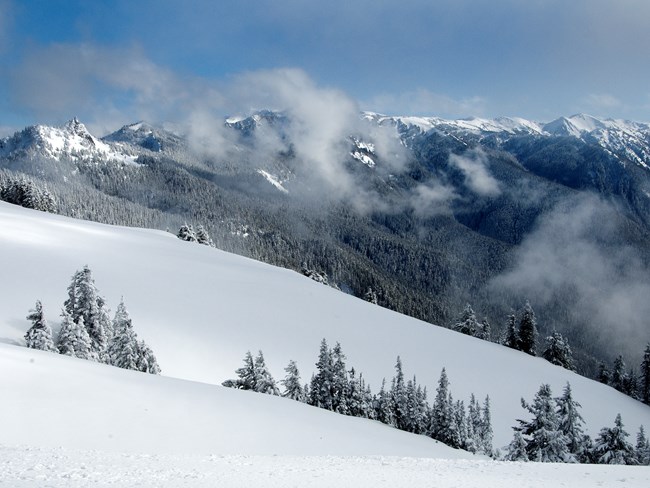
202 236
340 384
123 349
398 396
617 379
630 385
474 425
84 302
371 296
39 335
571 425
644 378
512 337
611 447
246 377
558 351
486 434
186 233
441 413
467 323
545 442
321 387
291 383
264 382
74 339
642 448
485 330
384 410
517 448
603 373
528 331
146 360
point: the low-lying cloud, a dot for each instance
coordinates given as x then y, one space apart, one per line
474 166
577 254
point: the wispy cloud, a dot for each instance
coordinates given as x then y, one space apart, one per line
474 166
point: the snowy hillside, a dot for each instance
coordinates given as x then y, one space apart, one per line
201 309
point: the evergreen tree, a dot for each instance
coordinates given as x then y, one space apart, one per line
474 425
467 323
340 384
558 351
74 339
630 385
642 448
486 434
398 398
603 373
146 360
485 330
123 350
441 412
517 448
246 376
511 339
371 296
528 331
460 425
611 447
84 302
322 384
384 409
355 401
264 382
545 442
571 425
291 383
644 378
617 379
202 237
39 335
186 233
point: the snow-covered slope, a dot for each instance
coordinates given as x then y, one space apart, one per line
201 309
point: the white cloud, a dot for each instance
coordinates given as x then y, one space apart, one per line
432 198
477 176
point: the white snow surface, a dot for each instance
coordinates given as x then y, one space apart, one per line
201 309
274 180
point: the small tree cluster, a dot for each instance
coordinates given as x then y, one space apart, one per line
524 337
23 191
87 332
468 324
555 434
187 233
558 351
403 406
628 381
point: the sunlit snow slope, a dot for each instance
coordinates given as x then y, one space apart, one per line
201 309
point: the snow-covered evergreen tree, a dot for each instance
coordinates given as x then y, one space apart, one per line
74 339
246 377
472 444
186 233
511 338
517 448
39 335
291 382
571 425
146 362
603 373
486 434
617 379
528 331
84 302
467 323
642 448
630 384
340 384
264 382
545 441
485 331
441 412
202 236
644 377
398 395
384 408
123 349
371 296
321 387
611 446
558 351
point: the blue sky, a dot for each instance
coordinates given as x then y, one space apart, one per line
122 59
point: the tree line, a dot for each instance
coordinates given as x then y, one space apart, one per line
87 332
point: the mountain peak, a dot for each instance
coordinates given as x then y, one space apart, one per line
74 126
